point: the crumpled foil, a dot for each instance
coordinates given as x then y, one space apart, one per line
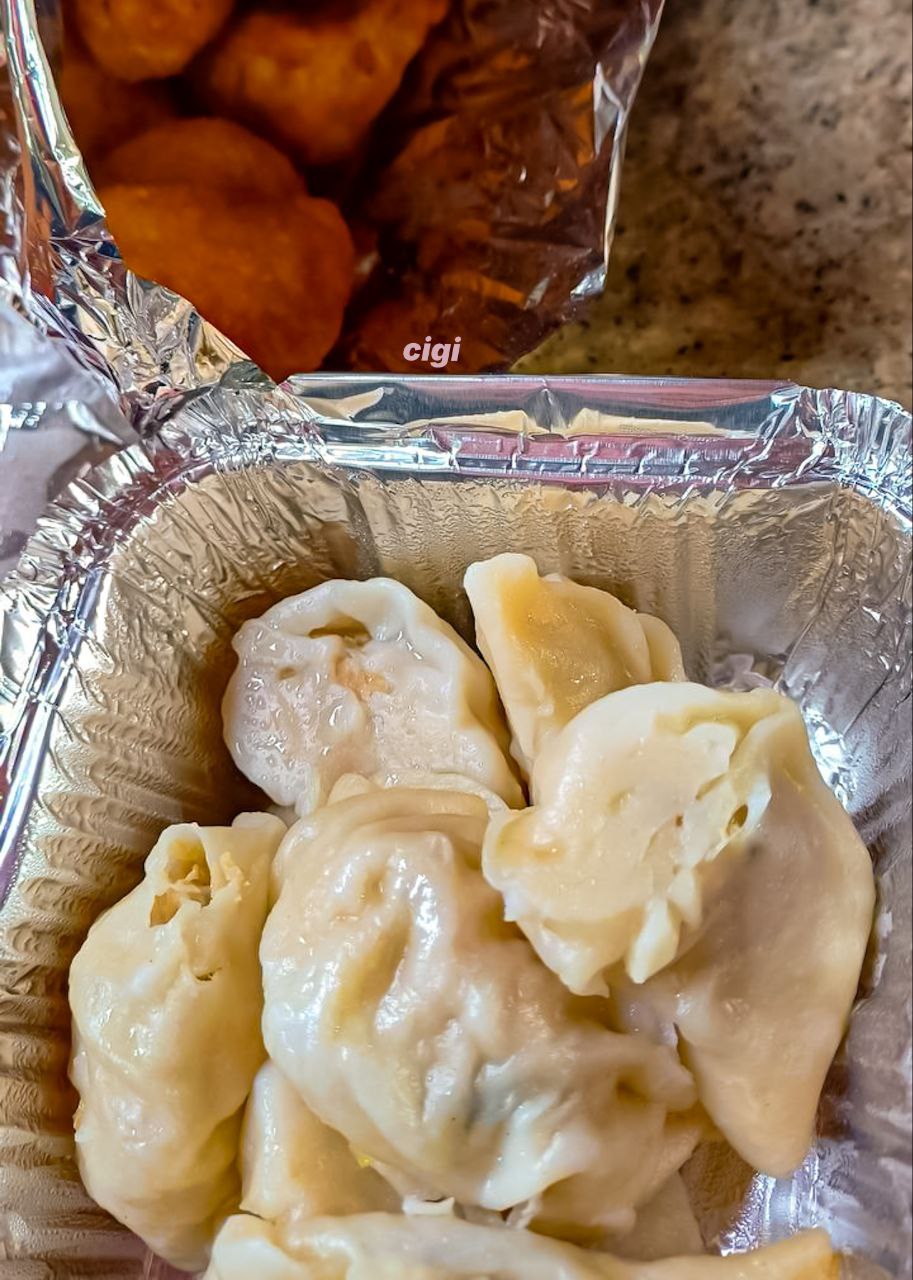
768 525
494 205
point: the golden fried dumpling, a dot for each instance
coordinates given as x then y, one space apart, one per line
411 1018
555 646
166 998
103 111
317 80
148 39
360 678
273 275
202 151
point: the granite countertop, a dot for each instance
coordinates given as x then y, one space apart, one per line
764 228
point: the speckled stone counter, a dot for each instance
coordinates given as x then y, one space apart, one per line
764 228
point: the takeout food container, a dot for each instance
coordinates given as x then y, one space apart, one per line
489 188
768 525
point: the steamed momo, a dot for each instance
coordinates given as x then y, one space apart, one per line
383 1247
360 678
411 1018
291 1159
685 836
762 1000
643 803
555 646
166 998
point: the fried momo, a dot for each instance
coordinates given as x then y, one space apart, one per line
206 152
316 80
273 276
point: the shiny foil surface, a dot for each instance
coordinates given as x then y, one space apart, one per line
491 191
768 525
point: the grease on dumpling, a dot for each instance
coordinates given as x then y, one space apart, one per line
384 1247
360 678
411 1018
166 998
556 646
642 803
291 1159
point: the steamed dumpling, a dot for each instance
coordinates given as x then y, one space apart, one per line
383 1247
762 999
411 1018
360 678
291 1159
555 646
642 804
686 833
166 999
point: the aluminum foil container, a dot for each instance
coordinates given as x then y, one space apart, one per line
768 525
494 205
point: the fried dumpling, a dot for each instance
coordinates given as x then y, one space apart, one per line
360 678
291 1159
555 646
166 998
386 1247
411 1018
643 802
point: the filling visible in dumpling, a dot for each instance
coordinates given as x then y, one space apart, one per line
360 678
555 646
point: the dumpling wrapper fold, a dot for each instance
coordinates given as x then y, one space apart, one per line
360 678
385 1247
685 853
555 646
166 998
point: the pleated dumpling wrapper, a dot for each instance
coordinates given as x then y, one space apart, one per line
641 805
411 1018
166 1000
386 1247
291 1160
686 852
360 678
556 646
